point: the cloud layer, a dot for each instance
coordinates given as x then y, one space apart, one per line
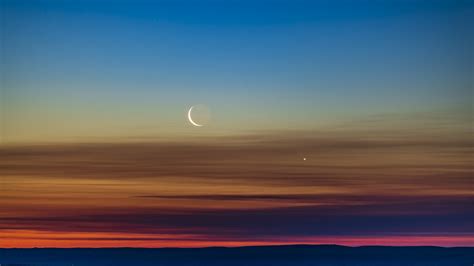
242 189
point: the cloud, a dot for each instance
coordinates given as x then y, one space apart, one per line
252 187
272 158
372 215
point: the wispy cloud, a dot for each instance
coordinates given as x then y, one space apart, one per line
245 188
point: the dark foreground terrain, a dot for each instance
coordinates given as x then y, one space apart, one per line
326 255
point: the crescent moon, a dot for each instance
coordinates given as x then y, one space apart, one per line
191 119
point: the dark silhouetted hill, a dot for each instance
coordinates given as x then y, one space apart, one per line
327 255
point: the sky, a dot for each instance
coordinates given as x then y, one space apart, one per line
330 122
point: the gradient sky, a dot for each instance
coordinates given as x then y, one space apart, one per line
96 149
85 69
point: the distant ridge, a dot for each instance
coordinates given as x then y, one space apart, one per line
277 255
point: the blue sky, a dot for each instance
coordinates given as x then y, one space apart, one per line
260 64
